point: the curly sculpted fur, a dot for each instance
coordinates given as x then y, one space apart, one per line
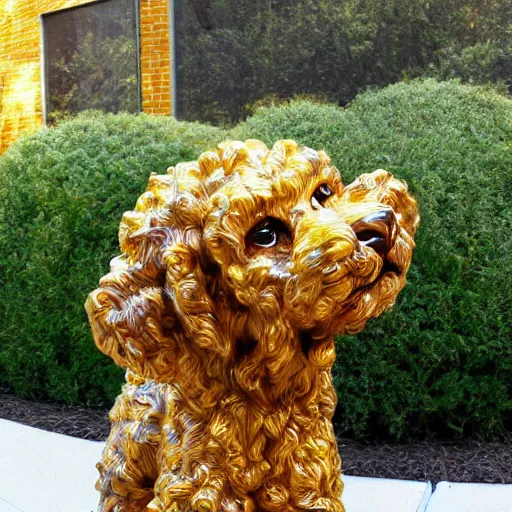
237 271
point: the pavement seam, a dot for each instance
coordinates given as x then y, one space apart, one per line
425 501
9 503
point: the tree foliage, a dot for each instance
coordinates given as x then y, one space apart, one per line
101 76
91 58
232 55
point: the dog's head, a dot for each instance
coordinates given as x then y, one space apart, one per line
248 239
293 241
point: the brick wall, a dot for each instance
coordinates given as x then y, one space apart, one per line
155 64
21 108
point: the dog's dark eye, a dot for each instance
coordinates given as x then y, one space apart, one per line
264 237
322 193
267 233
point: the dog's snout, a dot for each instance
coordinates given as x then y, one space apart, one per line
377 230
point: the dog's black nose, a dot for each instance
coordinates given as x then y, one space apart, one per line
377 230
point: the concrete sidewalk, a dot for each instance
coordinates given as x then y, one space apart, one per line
45 472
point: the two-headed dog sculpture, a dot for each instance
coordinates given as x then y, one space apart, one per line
237 271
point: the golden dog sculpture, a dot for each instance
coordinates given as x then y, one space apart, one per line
237 270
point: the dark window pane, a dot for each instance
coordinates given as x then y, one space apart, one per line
91 59
230 55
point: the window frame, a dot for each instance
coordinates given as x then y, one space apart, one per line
44 60
172 55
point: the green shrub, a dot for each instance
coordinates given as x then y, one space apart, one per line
62 195
441 361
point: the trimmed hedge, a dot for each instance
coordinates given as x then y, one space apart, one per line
62 194
439 363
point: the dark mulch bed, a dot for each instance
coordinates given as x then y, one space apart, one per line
79 422
471 461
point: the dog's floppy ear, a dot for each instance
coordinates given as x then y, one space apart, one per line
128 314
155 300
186 285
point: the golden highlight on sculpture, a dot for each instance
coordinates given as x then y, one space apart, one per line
237 271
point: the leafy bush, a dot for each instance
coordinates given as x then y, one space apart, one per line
441 361
62 195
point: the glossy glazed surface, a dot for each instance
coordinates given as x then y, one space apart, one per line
237 271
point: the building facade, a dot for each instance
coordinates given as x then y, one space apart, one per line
22 66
